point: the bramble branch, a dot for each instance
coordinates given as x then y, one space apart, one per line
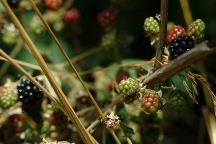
197 53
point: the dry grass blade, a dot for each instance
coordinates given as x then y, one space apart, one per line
207 86
86 137
29 65
186 11
210 122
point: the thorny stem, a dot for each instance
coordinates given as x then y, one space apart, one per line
181 62
163 32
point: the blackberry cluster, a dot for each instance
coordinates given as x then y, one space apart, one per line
180 45
13 3
28 93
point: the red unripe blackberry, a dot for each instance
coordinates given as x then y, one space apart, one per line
180 45
53 4
121 75
176 31
28 93
15 123
71 16
151 102
107 17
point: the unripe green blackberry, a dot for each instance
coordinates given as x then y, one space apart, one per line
178 102
128 87
36 25
151 25
197 30
109 40
9 34
151 102
8 97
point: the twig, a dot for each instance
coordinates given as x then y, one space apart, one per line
197 53
163 32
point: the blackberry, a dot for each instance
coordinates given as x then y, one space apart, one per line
197 30
178 103
121 75
128 86
53 4
151 25
28 93
107 17
8 97
71 16
176 31
108 40
151 102
180 45
13 3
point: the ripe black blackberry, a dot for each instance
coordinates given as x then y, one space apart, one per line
28 93
13 3
180 45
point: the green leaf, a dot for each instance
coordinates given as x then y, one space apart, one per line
127 130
